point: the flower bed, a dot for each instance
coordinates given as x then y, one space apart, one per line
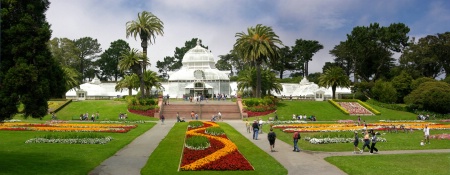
72 141
440 136
254 114
222 154
149 113
380 126
355 108
65 127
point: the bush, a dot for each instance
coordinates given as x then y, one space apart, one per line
197 142
384 92
386 105
430 96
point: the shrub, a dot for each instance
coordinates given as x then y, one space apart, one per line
430 96
384 92
195 124
197 143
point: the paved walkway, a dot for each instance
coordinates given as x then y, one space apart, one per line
130 159
133 157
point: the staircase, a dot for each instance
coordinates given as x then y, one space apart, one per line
229 111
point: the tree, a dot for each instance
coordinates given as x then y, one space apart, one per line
402 84
71 77
334 77
109 60
430 96
419 58
417 82
233 61
372 48
151 79
344 58
257 46
285 62
306 49
246 80
65 52
129 82
384 92
147 26
89 49
132 60
28 73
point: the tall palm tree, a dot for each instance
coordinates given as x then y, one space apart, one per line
334 77
131 59
257 46
147 26
246 80
270 82
71 76
129 82
151 79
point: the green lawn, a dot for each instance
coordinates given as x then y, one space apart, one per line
46 158
169 151
108 110
423 164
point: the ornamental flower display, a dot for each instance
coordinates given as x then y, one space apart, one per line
66 127
379 126
355 108
222 153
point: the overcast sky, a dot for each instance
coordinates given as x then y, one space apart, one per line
216 22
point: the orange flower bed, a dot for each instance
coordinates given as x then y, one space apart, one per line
310 127
65 127
222 155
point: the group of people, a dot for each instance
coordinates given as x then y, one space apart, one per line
217 117
257 127
303 117
86 116
423 117
123 116
367 140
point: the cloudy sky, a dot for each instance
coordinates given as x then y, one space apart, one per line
216 22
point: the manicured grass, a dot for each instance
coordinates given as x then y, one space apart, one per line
324 111
16 157
169 151
430 163
108 110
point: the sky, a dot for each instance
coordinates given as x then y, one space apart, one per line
216 22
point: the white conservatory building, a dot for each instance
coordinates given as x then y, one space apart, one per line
197 76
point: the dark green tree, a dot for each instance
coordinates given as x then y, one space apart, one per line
285 62
109 60
384 91
402 84
306 49
372 48
89 49
28 73
65 52
430 96
417 82
257 46
334 77
344 58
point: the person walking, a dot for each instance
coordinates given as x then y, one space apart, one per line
247 125
271 136
374 141
220 116
260 125
161 117
196 116
426 131
255 130
296 137
366 141
355 144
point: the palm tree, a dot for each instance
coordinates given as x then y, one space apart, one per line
270 82
71 76
246 80
147 26
151 79
131 59
129 82
257 45
334 77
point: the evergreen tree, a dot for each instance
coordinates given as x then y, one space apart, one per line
28 73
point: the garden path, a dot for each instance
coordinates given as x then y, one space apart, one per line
308 162
133 157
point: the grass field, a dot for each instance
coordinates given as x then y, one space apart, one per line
169 150
108 110
423 164
46 158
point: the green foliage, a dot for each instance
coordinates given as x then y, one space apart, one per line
430 96
28 72
215 131
334 77
384 92
109 60
305 49
343 110
417 82
197 142
260 105
196 124
360 96
402 84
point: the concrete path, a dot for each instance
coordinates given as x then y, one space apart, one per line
132 158
302 162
